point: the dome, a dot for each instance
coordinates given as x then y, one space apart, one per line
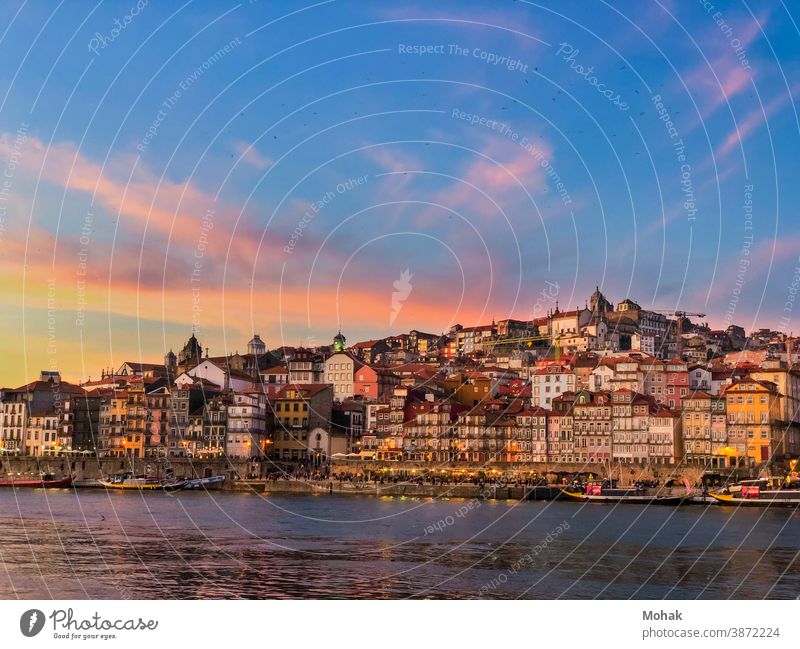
256 345
339 342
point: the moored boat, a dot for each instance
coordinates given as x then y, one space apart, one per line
762 492
46 481
604 492
212 482
127 481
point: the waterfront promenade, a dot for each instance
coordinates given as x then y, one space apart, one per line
410 479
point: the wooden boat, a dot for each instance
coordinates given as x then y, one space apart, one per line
127 481
763 492
603 492
212 482
46 481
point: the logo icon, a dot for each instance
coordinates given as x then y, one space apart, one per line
402 289
31 622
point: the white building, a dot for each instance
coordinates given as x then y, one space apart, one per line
643 343
322 444
700 377
246 433
664 436
340 369
218 374
550 382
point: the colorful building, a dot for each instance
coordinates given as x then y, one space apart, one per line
754 421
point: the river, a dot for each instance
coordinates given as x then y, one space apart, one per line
93 544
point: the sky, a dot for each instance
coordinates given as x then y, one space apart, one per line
295 168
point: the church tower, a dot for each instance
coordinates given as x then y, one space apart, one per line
339 342
598 304
191 354
256 346
171 363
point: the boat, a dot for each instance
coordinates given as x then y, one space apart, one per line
46 481
603 491
212 482
128 481
770 491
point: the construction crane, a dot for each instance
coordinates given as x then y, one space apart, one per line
529 340
680 316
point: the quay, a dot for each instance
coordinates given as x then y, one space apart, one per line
401 489
370 478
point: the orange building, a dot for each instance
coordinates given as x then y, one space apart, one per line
470 388
754 419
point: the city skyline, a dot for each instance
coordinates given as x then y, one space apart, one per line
341 342
283 183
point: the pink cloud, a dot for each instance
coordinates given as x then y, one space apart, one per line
249 154
754 120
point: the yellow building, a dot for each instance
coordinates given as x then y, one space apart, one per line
754 419
136 420
787 381
298 409
113 413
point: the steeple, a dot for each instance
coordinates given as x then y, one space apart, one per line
192 352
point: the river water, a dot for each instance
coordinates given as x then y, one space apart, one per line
93 544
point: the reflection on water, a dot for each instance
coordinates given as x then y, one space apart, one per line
89 544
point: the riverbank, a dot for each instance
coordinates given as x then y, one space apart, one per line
489 491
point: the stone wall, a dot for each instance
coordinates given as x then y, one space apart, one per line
411 490
95 469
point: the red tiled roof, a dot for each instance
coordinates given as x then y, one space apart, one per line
61 387
366 344
277 369
307 389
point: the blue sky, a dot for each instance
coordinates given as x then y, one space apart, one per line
256 111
